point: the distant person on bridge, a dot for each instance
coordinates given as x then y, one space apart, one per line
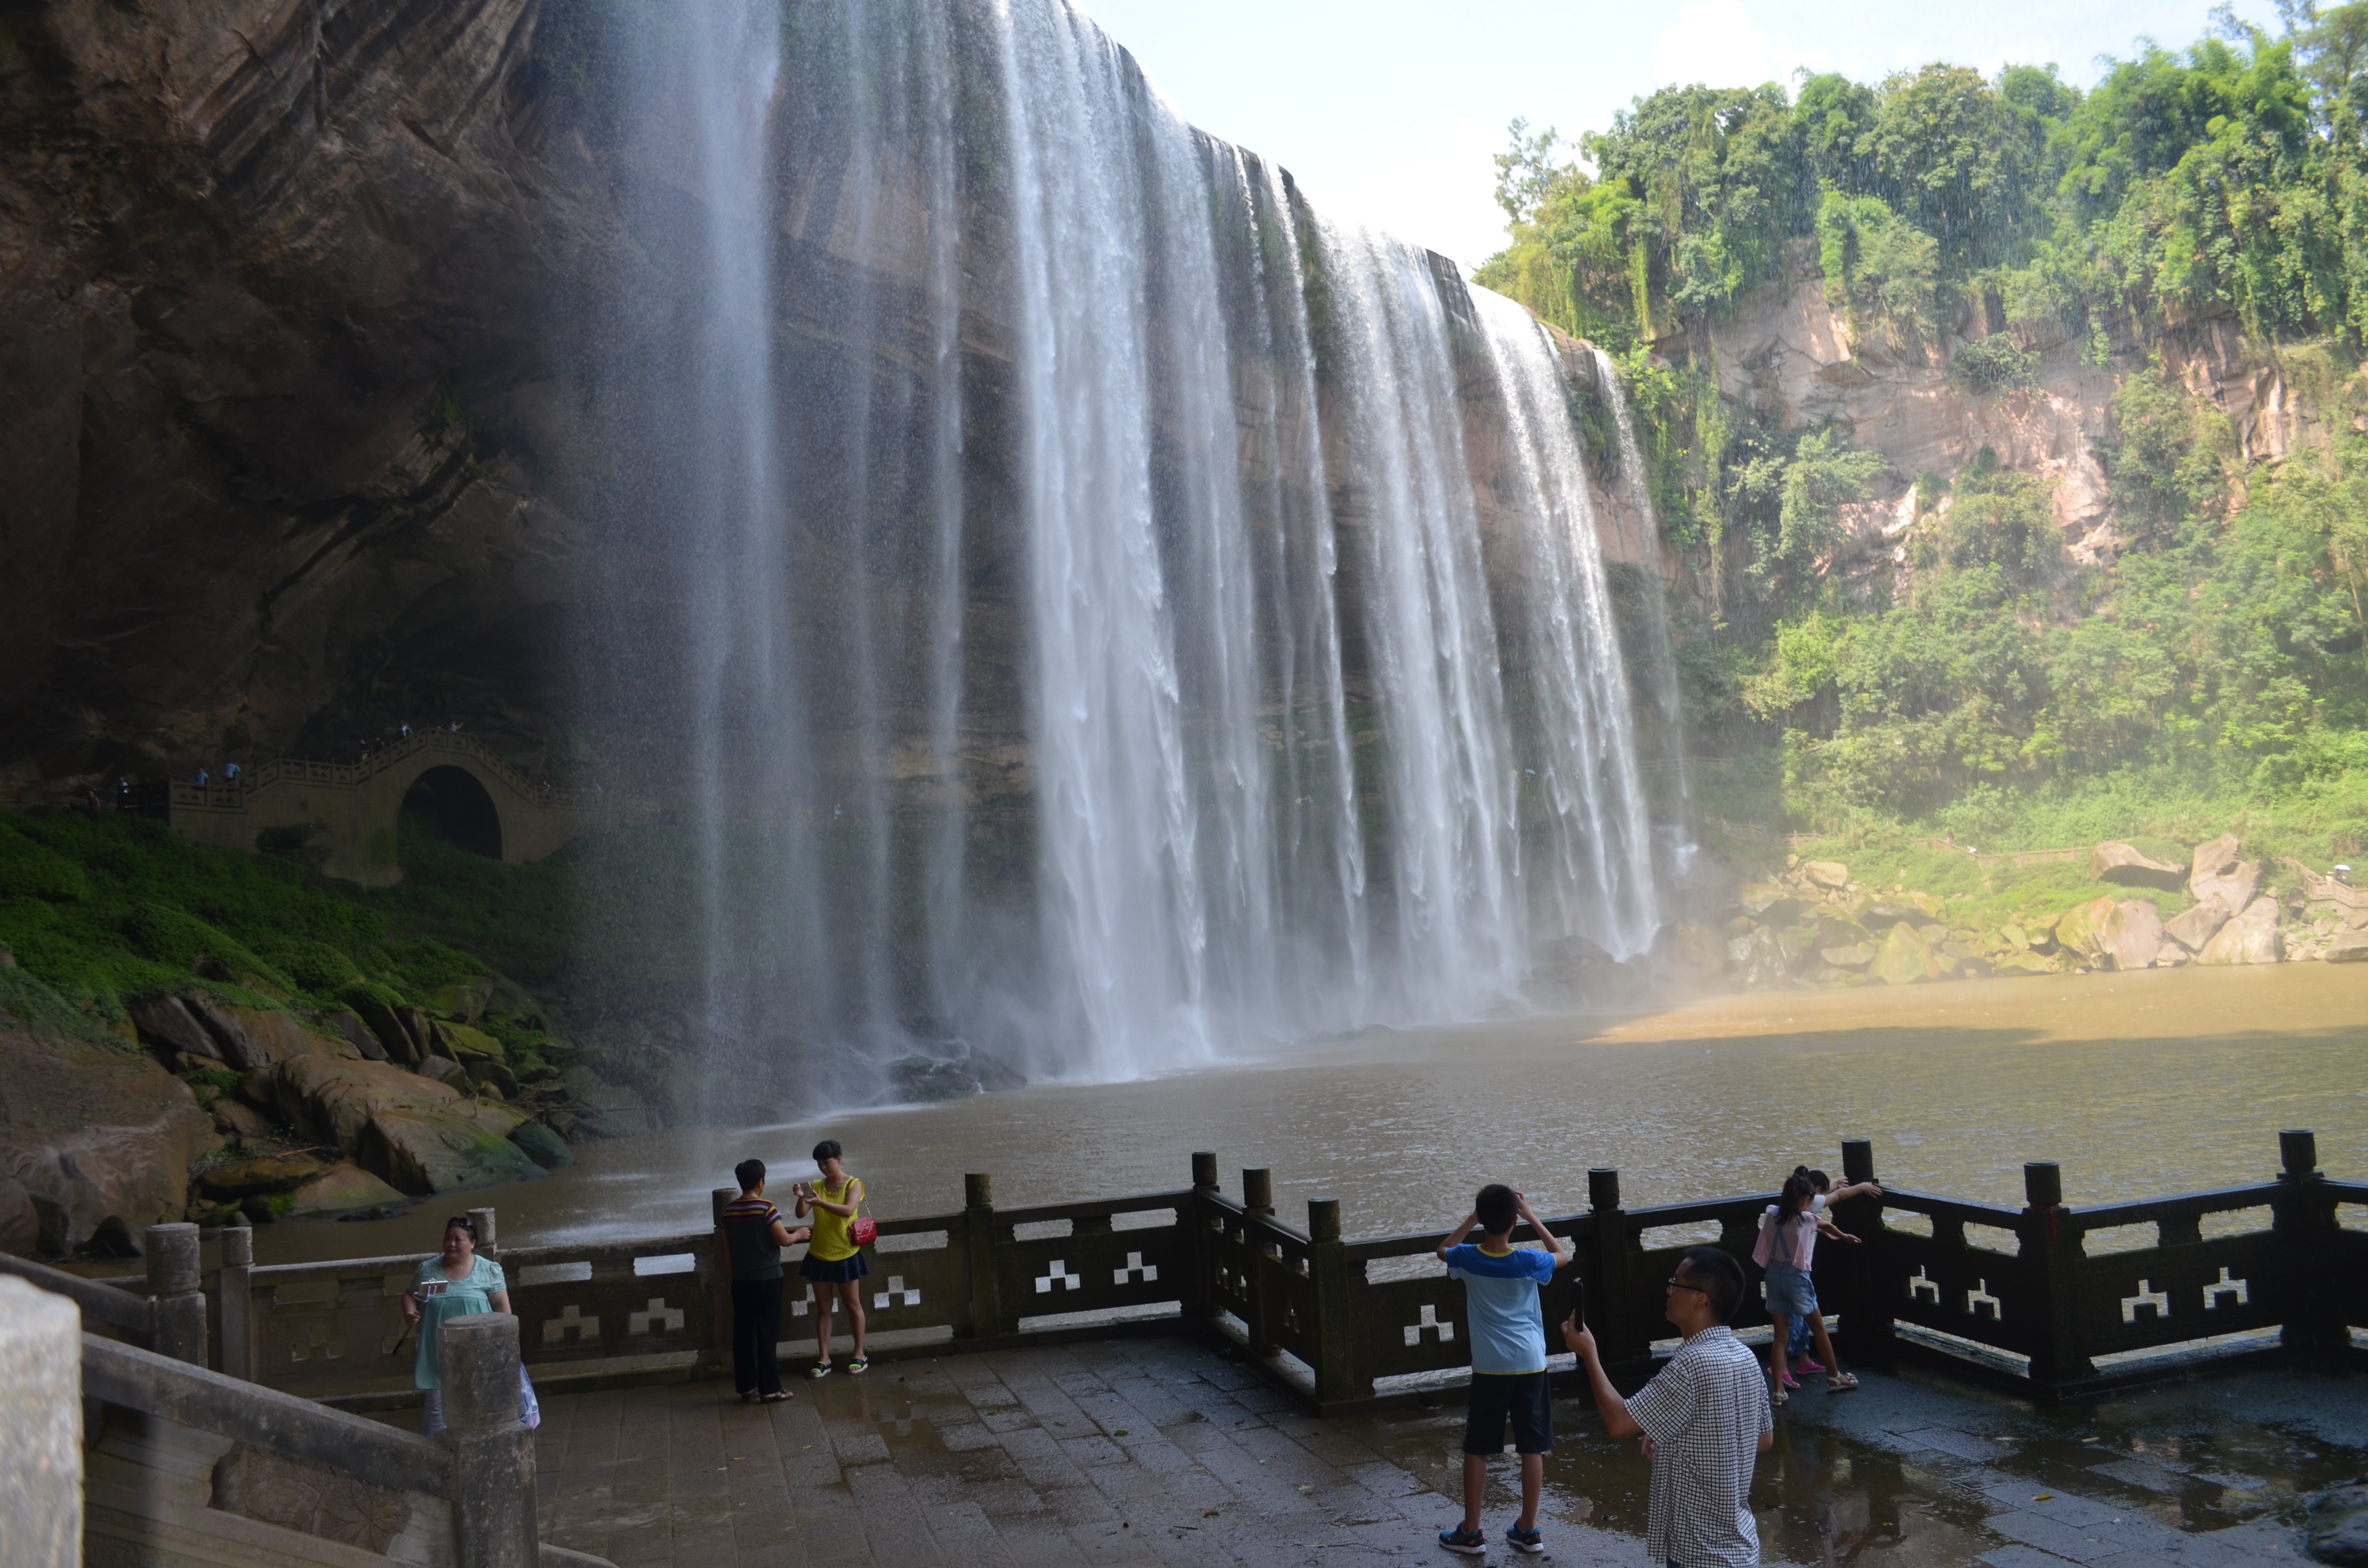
402 732
1705 1419
1508 1359
204 778
835 1261
754 1235
230 773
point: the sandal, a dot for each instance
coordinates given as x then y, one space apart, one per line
1776 1396
819 1370
1839 1383
857 1366
779 1396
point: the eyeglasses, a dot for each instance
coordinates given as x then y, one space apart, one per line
1678 1284
461 1223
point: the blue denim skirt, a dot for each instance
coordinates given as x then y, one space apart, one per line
1791 1293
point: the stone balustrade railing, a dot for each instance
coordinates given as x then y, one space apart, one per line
178 1462
2048 1298
2016 1294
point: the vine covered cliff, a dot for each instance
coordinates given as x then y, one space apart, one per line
2010 432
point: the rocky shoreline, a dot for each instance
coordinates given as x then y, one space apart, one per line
1812 923
214 1107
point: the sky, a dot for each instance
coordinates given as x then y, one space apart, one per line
1387 111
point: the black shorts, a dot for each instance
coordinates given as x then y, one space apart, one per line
1520 1398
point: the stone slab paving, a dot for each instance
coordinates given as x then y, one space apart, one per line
1166 1452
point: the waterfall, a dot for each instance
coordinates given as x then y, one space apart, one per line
1086 612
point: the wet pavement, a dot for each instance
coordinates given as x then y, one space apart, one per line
1166 1451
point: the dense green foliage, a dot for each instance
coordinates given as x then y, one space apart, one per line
1982 680
2231 175
104 909
100 910
2226 657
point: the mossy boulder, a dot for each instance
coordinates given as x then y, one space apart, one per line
1905 956
464 1001
2132 935
2126 866
342 1190
2079 930
1758 960
261 1175
543 1146
460 1042
1695 950
422 1152
2249 937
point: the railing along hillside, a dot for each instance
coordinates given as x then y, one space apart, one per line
2050 1297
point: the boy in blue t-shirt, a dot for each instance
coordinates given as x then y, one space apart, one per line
1509 1357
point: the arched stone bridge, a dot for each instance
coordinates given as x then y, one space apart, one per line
342 816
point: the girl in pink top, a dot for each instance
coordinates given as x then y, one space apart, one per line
1787 1245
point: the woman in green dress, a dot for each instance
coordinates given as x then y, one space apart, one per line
455 1284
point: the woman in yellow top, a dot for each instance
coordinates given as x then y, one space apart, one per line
833 1264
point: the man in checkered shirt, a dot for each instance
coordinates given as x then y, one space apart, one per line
1705 1419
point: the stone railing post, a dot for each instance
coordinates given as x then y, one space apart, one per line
1257 1200
719 1284
492 1453
1868 1286
488 1243
40 1427
238 1300
1335 1315
177 1305
978 1224
2051 1263
1610 1295
1199 1291
2302 1218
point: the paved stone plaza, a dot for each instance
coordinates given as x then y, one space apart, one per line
1163 1451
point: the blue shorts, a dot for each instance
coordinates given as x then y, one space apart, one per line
1791 1293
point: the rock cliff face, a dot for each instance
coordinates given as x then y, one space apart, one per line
272 276
297 386
1790 351
95 1141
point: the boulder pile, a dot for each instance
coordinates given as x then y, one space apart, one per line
1812 923
367 1108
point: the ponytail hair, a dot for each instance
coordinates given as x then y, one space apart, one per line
1792 1201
